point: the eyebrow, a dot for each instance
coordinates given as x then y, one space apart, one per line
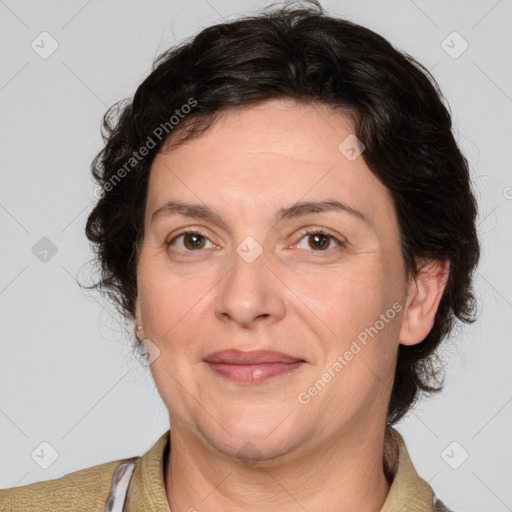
199 211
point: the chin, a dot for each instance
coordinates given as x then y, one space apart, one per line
256 437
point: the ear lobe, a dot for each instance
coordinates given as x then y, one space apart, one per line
423 298
139 330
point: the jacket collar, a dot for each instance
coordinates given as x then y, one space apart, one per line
408 492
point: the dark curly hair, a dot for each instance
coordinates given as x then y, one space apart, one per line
300 52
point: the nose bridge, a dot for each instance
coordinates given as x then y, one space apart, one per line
249 291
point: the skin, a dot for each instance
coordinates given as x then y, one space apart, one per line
294 297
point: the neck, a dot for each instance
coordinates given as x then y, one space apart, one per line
344 474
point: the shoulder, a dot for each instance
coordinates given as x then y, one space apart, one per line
83 490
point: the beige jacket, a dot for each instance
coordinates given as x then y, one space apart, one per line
139 485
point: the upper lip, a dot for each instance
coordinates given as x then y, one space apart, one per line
234 356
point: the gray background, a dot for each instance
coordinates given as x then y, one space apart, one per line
67 374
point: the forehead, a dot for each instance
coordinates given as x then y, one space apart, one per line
303 131
275 153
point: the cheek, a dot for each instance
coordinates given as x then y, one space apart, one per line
171 311
348 298
360 304
164 295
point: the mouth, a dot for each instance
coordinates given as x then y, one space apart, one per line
252 367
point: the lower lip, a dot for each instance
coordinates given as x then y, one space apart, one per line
253 373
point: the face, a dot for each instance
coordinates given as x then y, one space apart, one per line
264 271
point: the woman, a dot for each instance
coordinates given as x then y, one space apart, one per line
287 218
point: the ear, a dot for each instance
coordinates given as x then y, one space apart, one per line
424 294
139 334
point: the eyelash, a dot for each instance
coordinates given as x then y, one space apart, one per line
309 231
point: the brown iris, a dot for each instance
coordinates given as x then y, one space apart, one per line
196 241
319 237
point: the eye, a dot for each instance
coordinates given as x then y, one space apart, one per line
192 241
320 240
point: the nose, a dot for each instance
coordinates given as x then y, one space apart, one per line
250 294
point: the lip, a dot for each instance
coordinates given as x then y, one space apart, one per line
234 356
252 367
